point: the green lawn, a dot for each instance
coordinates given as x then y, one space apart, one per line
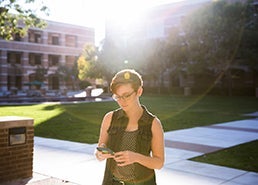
81 122
243 157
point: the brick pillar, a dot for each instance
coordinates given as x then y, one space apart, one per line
16 148
3 70
62 60
45 37
45 61
25 59
62 39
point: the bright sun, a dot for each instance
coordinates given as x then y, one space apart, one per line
124 11
121 14
94 13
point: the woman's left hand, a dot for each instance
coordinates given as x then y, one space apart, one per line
124 158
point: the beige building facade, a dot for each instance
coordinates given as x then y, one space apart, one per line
57 44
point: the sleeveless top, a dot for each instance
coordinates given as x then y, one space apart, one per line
128 142
116 132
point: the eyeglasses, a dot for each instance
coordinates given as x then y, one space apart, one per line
124 97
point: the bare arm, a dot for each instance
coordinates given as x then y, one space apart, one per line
156 160
103 136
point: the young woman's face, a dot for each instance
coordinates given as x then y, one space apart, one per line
126 96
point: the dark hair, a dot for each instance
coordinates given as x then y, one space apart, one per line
126 76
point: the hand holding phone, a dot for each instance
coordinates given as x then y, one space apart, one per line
105 150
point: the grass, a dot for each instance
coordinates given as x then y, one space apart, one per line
81 122
243 157
187 112
73 122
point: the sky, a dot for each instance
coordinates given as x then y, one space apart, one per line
92 13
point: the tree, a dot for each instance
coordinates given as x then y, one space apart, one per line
40 73
212 35
87 63
146 56
215 30
16 17
156 63
110 59
67 74
40 76
248 50
178 50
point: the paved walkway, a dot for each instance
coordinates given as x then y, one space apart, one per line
70 163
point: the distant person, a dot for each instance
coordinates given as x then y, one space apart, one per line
134 135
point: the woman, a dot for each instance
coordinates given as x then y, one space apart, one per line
133 133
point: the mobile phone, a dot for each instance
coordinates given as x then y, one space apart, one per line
105 150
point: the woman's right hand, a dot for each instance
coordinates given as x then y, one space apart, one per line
100 156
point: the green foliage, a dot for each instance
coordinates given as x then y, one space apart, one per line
213 35
156 62
68 74
87 64
109 57
83 84
83 68
40 73
16 18
214 40
248 51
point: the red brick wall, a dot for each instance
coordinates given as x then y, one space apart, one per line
16 161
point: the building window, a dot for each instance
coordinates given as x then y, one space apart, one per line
53 82
70 40
53 39
14 57
35 59
17 37
32 77
9 78
70 60
53 60
35 36
18 82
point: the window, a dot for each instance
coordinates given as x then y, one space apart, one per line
70 60
35 59
70 41
18 82
17 37
14 57
18 58
35 36
53 60
32 77
55 83
53 38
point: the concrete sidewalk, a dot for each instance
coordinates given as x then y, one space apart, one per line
63 162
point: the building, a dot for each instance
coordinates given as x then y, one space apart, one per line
154 23
57 44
